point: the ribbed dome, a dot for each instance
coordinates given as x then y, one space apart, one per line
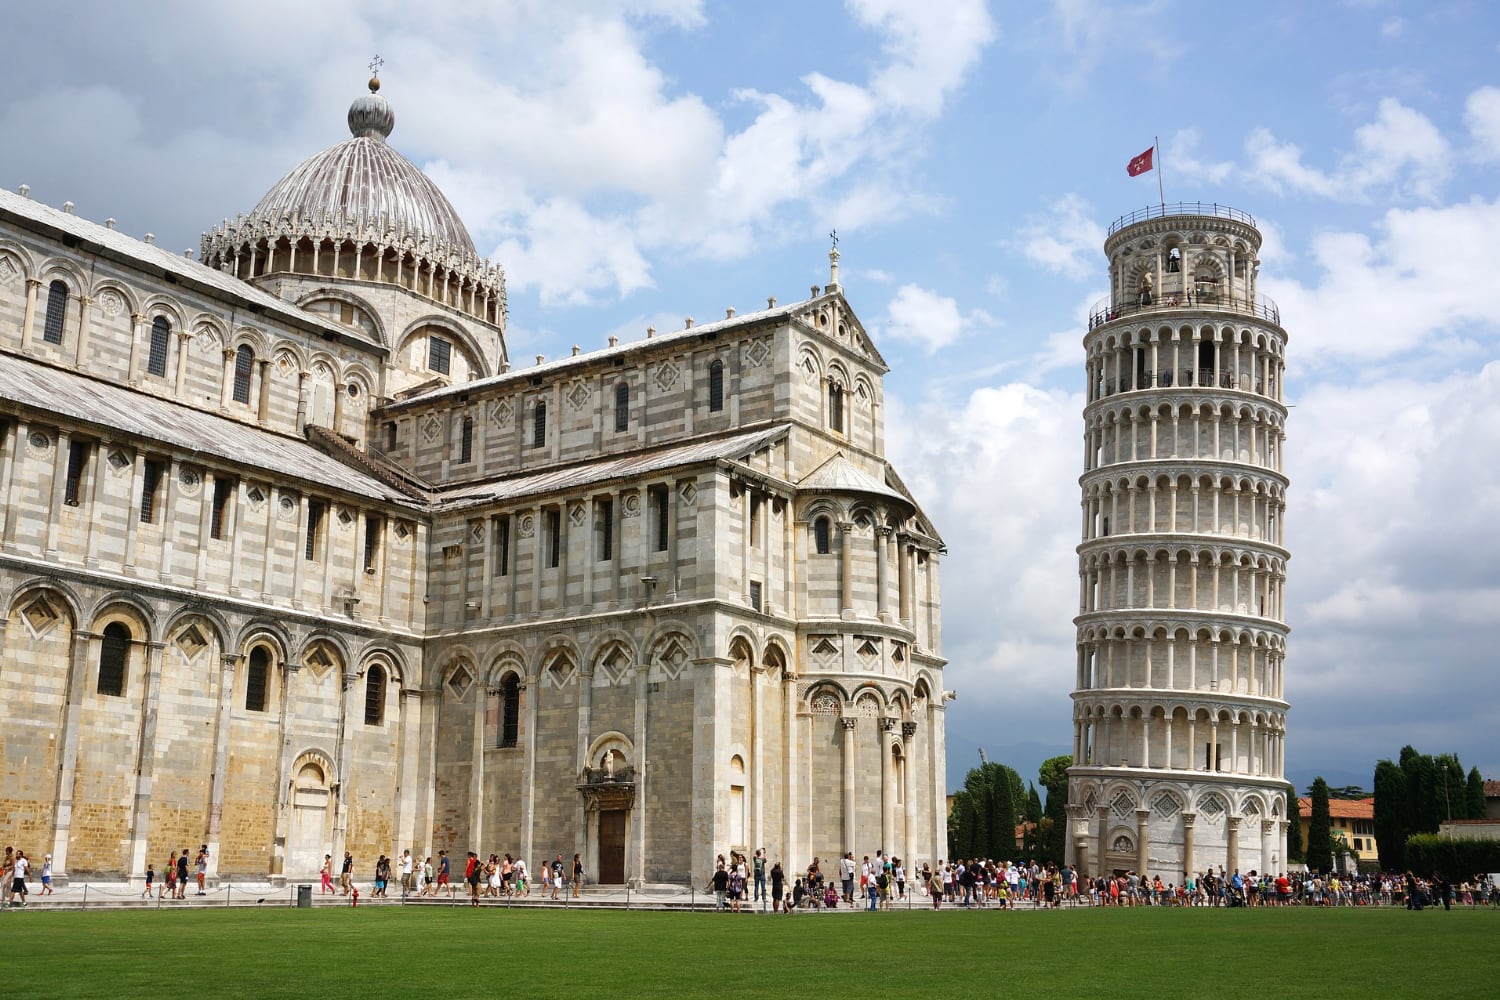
363 180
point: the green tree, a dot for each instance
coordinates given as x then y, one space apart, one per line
1391 815
1474 793
1002 798
1054 776
1293 828
961 826
1319 842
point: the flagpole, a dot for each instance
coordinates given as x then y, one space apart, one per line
1159 191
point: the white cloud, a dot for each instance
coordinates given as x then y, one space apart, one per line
1400 153
924 317
928 56
1182 157
1482 116
1066 240
1426 283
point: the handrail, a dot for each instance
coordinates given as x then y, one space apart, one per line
1212 209
1262 307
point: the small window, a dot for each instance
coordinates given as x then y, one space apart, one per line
315 511
836 407
716 386
113 649
539 425
78 460
622 407
373 526
150 485
375 696
57 312
390 435
439 355
822 536
757 503
660 508
755 595
606 528
466 441
244 361
502 545
256 678
156 360
554 538
223 490
510 711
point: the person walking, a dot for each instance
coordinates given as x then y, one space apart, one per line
346 874
557 875
46 876
759 865
577 874
326 872
182 874
202 870
778 886
19 867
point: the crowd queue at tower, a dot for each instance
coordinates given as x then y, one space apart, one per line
879 882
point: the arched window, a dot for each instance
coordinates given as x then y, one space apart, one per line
622 407
375 696
244 359
466 441
716 386
156 360
510 711
822 536
539 425
256 680
113 649
57 312
836 406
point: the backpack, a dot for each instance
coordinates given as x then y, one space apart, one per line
881 880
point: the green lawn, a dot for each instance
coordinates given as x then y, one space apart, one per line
443 952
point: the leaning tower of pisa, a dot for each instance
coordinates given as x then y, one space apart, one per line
1179 706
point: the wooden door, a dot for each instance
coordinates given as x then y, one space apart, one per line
612 847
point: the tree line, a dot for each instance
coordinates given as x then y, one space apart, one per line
994 801
1417 792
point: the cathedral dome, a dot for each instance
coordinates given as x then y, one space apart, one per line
364 179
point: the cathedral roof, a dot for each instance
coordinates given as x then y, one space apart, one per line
839 475
363 180
125 412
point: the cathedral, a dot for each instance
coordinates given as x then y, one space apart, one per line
295 562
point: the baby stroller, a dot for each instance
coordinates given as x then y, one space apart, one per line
1236 897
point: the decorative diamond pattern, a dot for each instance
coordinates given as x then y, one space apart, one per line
560 671
40 615
118 460
432 429
578 395
576 515
459 682
1123 806
191 641
8 270
688 492
672 658
256 496
756 353
286 364
476 531
501 413
666 375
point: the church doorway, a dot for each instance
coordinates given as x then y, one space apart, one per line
308 840
612 846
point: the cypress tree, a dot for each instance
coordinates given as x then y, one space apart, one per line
1319 840
1474 793
1294 828
1054 776
1391 813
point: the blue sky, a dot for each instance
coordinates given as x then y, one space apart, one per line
633 164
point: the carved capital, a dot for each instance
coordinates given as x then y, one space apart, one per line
908 729
848 722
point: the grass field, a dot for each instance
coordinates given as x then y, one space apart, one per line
444 952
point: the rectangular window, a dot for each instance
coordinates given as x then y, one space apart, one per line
78 461
606 510
373 525
223 490
315 512
554 538
756 503
150 484
659 512
439 355
755 595
390 435
502 545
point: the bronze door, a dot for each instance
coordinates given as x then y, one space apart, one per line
612 847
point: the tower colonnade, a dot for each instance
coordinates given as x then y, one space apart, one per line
1179 696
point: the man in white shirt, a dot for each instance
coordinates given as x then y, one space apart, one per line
18 879
406 874
846 876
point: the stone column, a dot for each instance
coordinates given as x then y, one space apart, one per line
529 689
349 717
635 868
137 326
226 378
81 350
63 445
263 399
909 819
92 528
585 727
887 787
846 571
171 469
408 765
67 768
145 762
284 766
792 845
1142 839
1188 865
11 477
221 758
29 320
1234 843
849 723
180 381
476 762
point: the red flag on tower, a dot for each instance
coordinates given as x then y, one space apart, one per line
1140 164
